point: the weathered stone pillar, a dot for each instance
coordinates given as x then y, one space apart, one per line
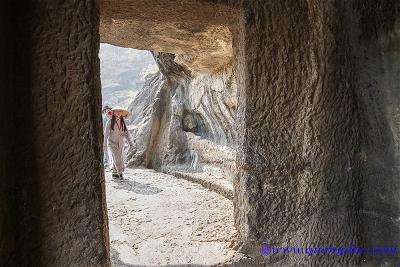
68 133
318 158
54 211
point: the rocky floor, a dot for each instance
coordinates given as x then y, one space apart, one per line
156 219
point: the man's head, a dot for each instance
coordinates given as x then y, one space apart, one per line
106 109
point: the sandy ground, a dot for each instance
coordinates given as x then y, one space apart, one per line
156 219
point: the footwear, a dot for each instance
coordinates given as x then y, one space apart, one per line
115 176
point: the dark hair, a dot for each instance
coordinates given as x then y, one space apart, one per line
106 108
113 121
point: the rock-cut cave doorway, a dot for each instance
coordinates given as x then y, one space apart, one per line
158 218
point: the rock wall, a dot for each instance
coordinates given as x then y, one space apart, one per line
318 128
297 181
52 195
183 119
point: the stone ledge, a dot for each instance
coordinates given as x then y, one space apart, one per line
209 181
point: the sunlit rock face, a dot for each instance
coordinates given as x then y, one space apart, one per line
185 120
201 39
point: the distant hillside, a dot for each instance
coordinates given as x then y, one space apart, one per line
122 72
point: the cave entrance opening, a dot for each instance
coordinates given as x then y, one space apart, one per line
150 211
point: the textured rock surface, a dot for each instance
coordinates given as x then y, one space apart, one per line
305 176
153 123
183 120
73 224
55 187
202 39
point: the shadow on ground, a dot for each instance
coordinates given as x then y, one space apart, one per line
138 188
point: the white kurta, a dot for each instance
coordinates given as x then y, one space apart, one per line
114 141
